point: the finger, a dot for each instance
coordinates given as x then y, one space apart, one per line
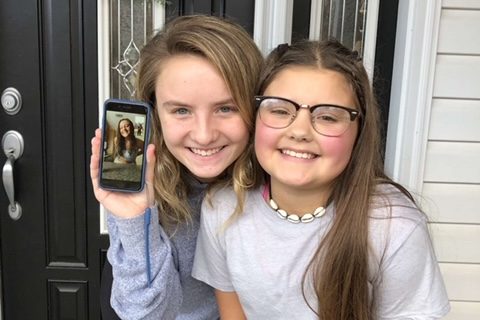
150 170
95 158
94 171
96 141
100 194
151 160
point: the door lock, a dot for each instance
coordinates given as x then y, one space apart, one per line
11 101
12 144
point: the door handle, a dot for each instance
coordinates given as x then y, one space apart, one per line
12 144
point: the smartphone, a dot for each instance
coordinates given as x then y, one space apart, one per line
125 135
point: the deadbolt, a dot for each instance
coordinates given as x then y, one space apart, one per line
11 101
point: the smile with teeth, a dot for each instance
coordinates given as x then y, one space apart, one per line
205 152
301 155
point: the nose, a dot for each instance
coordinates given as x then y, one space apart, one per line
205 130
301 128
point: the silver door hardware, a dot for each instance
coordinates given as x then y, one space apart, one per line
11 101
12 144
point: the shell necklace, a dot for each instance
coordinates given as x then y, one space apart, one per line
293 218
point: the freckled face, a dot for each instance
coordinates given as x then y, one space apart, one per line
201 124
297 156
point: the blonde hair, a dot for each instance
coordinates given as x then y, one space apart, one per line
232 51
339 268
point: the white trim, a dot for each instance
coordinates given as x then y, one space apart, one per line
103 18
316 11
370 40
158 16
103 55
411 94
272 23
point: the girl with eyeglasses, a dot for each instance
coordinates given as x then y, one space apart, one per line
328 235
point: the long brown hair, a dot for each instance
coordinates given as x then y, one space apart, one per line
232 51
120 141
339 267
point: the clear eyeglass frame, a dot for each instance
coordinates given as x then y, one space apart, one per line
333 129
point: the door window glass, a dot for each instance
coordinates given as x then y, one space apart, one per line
124 26
130 27
132 23
344 20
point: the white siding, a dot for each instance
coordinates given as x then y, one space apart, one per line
452 203
455 120
452 162
461 4
463 310
457 76
461 248
459 31
451 176
462 281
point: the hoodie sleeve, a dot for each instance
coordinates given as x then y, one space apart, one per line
146 282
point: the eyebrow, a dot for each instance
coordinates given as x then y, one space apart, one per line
226 101
176 103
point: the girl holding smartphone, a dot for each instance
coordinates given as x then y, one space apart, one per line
199 74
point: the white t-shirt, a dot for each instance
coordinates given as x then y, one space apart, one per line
263 258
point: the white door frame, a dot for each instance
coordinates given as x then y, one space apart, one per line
412 89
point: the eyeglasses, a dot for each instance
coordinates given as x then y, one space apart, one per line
327 119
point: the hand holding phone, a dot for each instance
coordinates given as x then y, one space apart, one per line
122 204
125 134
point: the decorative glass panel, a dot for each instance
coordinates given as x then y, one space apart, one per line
344 20
124 26
131 25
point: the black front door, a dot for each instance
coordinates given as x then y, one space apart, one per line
50 256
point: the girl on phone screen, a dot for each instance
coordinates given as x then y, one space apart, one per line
199 74
127 146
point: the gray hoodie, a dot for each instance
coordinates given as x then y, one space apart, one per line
152 272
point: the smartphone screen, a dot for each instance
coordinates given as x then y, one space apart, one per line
125 134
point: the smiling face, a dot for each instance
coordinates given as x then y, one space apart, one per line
297 157
125 128
200 122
